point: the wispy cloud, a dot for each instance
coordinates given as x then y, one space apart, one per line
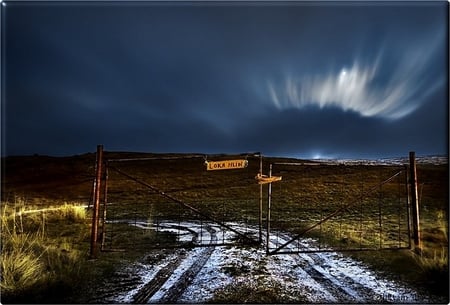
375 89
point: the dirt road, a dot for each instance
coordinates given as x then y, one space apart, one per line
195 275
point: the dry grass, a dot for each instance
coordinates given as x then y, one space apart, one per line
433 261
22 264
256 292
34 257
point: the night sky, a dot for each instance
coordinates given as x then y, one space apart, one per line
298 79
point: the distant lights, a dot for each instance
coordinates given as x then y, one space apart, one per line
321 156
316 156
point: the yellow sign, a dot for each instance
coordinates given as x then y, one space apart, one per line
263 179
226 164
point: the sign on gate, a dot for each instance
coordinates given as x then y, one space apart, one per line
226 164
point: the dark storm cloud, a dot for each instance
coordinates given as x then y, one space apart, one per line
332 133
288 79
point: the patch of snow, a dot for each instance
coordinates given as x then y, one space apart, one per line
323 277
209 279
183 267
430 160
146 274
287 269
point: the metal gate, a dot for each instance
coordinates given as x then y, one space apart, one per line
204 200
180 201
321 207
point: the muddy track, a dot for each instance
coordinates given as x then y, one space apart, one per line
172 295
195 275
318 267
342 292
176 290
349 287
332 273
149 289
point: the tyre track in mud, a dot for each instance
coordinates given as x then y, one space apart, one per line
348 285
149 289
172 295
341 292
315 272
322 268
145 294
333 277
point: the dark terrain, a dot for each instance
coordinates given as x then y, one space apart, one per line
233 196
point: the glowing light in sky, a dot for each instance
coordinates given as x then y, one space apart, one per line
365 88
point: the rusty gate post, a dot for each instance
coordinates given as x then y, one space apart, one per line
96 203
414 202
260 200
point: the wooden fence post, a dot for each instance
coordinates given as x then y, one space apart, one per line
414 202
96 203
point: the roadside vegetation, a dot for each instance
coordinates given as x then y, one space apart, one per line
426 270
45 254
43 251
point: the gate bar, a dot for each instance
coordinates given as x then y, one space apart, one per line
340 250
162 193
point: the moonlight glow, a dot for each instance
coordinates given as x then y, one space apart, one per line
356 88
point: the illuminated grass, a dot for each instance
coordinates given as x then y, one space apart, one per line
35 254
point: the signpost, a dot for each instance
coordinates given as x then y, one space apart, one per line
263 179
226 164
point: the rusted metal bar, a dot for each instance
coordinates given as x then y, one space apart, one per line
96 203
260 200
414 202
154 158
338 250
176 157
302 163
176 200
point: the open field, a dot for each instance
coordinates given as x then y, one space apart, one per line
137 218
